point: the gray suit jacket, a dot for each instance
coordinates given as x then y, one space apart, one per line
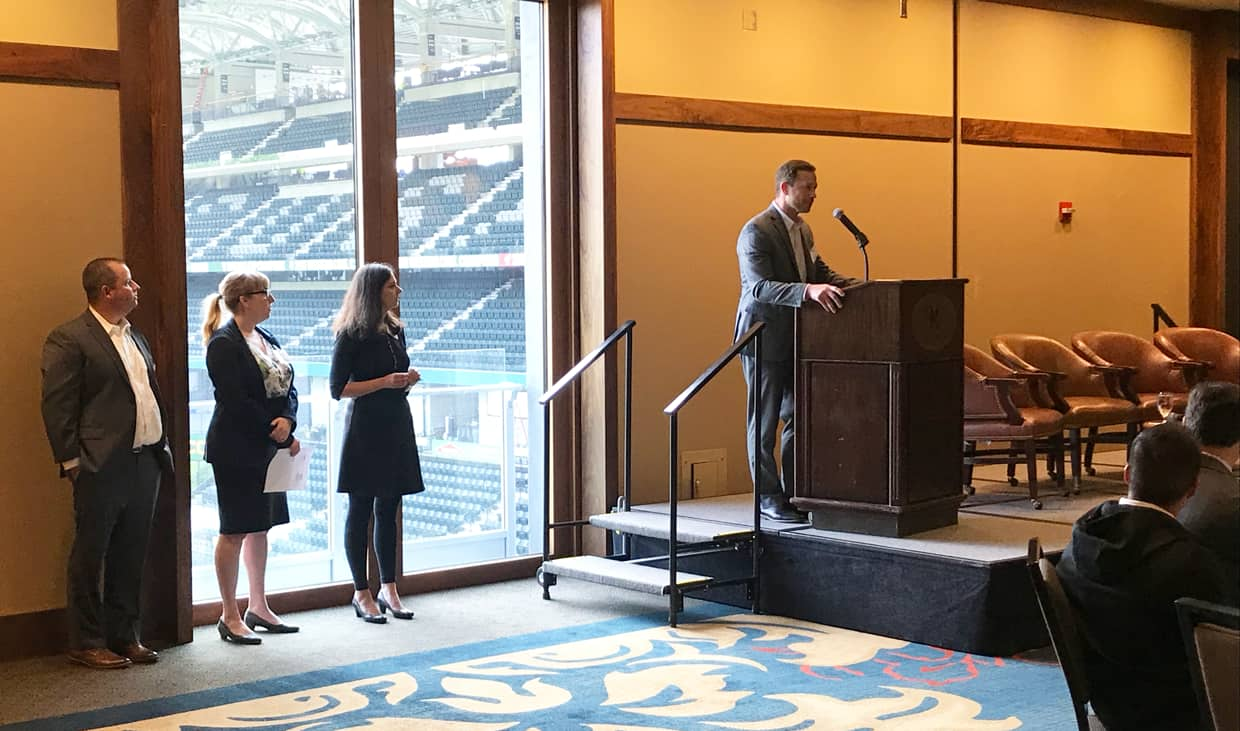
771 287
1213 512
88 404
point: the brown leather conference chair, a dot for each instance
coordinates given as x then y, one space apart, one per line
1089 396
998 407
1152 371
1219 351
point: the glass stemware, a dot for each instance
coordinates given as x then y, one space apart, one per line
1164 404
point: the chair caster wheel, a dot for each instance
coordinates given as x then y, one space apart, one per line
1091 471
969 490
1013 481
1037 504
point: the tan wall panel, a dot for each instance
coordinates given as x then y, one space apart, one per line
1042 66
850 54
1126 247
83 23
61 205
682 197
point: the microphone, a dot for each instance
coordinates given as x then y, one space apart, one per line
840 216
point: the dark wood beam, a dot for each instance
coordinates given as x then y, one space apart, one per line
1215 43
30 62
1069 137
378 223
781 118
1133 11
153 217
563 283
378 219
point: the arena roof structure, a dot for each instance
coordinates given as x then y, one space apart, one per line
312 33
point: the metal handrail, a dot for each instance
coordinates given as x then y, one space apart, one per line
700 382
1161 316
672 410
624 331
586 362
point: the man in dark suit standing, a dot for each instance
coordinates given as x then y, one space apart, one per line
780 270
104 421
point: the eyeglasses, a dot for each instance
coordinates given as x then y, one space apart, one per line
263 292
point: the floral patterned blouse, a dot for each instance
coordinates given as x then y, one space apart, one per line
273 363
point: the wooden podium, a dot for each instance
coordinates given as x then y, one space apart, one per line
879 408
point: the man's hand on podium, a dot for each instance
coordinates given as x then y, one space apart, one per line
828 295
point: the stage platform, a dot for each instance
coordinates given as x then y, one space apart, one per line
963 587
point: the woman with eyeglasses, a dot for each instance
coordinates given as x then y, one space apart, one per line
379 459
255 415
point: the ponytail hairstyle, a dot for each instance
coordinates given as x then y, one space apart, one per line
232 287
362 312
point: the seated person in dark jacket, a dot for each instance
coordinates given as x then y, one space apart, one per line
1213 513
1127 563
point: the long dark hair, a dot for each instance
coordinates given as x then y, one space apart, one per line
362 312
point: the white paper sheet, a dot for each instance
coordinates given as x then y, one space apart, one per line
286 473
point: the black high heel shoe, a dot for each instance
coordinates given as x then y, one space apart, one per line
252 620
398 613
372 618
229 636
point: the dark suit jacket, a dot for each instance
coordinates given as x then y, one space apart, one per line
1213 512
771 287
89 409
240 429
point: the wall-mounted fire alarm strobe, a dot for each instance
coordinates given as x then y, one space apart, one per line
1065 211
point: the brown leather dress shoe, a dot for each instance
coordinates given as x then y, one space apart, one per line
139 653
98 658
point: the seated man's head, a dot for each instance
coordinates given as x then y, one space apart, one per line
1162 466
1213 416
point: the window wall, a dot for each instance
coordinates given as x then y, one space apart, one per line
270 149
469 150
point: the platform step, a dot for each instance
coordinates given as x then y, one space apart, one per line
658 525
635 577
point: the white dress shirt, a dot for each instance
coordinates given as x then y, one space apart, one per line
1142 504
148 424
795 236
1220 460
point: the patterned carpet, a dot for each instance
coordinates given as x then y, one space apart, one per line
739 671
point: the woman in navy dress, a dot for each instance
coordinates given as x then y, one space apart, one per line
379 459
255 414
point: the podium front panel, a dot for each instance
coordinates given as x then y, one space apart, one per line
848 434
930 442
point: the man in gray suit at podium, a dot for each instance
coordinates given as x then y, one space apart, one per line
780 270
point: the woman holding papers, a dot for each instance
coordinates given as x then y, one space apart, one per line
255 414
379 459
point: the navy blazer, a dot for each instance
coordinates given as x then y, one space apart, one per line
240 427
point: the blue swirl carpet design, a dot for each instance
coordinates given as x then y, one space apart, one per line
740 671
